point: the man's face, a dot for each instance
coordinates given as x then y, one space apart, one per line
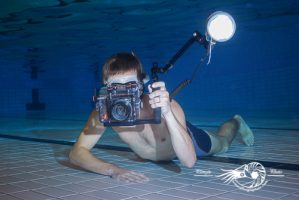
123 78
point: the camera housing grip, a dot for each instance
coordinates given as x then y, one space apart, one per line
157 111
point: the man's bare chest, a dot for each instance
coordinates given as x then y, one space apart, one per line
149 134
149 142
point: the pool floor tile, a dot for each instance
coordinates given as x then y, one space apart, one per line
8 197
104 194
54 191
46 177
31 195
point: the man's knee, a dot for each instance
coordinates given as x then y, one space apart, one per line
219 144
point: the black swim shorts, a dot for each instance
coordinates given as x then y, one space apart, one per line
201 140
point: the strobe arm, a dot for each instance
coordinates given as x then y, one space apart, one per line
196 37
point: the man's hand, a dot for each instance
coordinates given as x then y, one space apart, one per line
128 176
159 97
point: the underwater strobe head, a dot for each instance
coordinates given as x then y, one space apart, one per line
221 26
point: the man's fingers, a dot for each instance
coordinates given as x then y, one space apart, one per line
125 177
150 88
161 100
129 178
133 177
158 93
159 84
154 100
139 175
158 105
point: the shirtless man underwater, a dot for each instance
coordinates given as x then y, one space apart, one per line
173 138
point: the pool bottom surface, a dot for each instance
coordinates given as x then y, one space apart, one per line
33 170
271 144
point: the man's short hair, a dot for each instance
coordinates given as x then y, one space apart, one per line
121 63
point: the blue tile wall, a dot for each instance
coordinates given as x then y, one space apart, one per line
254 73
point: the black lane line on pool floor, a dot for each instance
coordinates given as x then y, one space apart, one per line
269 164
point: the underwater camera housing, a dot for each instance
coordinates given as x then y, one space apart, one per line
120 105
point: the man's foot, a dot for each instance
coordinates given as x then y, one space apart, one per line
244 130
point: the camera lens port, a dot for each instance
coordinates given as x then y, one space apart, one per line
121 110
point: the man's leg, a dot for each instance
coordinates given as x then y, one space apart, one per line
227 132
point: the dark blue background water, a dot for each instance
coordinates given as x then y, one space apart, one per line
254 74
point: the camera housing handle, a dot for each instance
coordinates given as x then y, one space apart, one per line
157 111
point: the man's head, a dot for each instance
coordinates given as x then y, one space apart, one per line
124 66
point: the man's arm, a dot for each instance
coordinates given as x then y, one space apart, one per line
175 120
80 154
181 141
